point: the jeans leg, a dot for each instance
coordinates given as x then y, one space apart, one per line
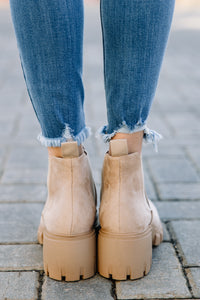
49 37
135 34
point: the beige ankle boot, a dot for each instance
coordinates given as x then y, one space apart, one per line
129 221
67 222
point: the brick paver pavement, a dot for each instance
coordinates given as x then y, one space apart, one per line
172 176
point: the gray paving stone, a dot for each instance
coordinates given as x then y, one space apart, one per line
23 193
163 151
21 257
157 122
6 129
24 157
188 235
194 278
182 141
173 102
96 175
172 170
178 210
184 123
96 288
21 176
166 237
179 191
28 129
165 279
19 222
30 141
2 156
12 96
194 154
10 113
98 188
18 285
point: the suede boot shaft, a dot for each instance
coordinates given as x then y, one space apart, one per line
124 208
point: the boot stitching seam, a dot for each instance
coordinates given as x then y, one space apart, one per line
119 193
71 230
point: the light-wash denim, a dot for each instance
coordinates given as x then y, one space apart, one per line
50 41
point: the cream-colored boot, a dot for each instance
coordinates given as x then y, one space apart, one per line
67 222
129 221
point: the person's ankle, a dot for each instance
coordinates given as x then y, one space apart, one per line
54 151
57 151
134 140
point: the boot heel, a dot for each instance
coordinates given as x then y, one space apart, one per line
123 256
69 258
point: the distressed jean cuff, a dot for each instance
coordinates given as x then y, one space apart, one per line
150 136
66 136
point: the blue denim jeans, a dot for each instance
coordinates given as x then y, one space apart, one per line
50 41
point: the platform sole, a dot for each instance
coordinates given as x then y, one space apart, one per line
69 258
122 256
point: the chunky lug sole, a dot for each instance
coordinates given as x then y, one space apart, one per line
124 256
69 258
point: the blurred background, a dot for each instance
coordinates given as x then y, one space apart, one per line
172 177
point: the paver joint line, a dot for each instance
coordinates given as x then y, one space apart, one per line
40 284
113 290
177 249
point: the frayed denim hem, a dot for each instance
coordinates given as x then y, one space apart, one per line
150 136
66 136
153 137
